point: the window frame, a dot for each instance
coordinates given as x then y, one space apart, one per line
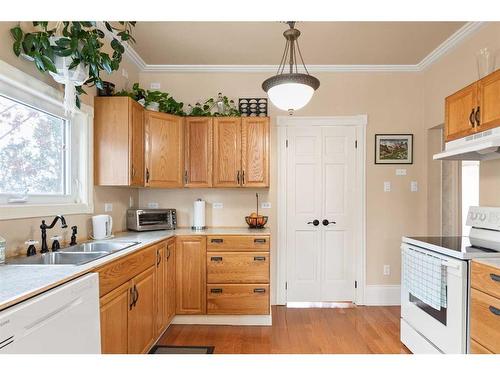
24 88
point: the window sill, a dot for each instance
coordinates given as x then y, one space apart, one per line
23 211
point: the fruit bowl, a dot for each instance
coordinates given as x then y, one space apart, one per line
256 221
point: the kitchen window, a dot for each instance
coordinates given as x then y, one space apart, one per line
45 156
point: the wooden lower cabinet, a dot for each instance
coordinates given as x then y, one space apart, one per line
237 267
114 320
238 299
476 348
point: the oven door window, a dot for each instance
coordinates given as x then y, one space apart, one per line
439 315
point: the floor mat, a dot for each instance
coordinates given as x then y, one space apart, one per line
171 349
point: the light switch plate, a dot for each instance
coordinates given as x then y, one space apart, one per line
265 205
124 73
414 186
387 270
155 85
217 205
401 172
153 205
108 207
387 186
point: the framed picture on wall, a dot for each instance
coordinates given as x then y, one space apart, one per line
393 148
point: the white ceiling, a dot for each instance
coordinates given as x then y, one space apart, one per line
262 43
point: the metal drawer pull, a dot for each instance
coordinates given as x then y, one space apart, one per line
494 310
259 258
259 290
495 277
216 240
216 290
259 240
216 259
132 298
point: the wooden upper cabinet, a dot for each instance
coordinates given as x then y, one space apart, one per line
164 150
118 141
190 262
489 101
255 151
460 113
227 151
198 152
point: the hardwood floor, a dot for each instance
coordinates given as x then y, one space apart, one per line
360 330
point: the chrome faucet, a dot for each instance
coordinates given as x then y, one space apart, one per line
44 227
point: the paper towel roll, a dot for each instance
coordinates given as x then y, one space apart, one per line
199 214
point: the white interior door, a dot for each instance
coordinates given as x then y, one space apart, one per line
320 186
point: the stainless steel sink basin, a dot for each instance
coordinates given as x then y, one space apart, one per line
98 246
60 258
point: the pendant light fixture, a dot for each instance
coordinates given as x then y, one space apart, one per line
290 90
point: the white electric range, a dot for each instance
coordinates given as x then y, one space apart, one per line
435 284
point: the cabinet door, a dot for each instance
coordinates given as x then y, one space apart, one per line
164 150
255 152
160 287
136 121
170 295
227 152
141 318
114 320
459 113
198 152
489 100
190 256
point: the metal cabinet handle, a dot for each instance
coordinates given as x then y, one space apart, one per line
216 290
168 254
136 295
216 259
216 240
495 277
477 116
132 298
133 171
315 222
147 174
326 222
243 177
185 177
471 118
494 310
238 177
259 290
158 258
259 240
259 259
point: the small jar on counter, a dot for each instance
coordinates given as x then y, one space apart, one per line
2 250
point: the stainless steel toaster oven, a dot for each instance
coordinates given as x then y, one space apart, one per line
151 219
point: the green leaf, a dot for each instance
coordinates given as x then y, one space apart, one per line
108 26
17 33
38 62
17 48
74 64
49 65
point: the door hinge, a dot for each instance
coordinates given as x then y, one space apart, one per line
286 143
356 143
355 285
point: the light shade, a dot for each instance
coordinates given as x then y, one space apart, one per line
290 91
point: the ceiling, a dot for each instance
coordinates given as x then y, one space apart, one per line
262 43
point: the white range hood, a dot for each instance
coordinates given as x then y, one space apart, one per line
480 146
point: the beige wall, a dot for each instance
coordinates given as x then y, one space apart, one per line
393 103
450 73
16 232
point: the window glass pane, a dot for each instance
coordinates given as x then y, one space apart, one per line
32 150
470 190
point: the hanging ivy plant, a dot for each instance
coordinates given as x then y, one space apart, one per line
81 41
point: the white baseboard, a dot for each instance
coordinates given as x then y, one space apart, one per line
229 320
383 295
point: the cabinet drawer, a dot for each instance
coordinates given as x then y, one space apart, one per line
485 320
476 348
238 243
251 299
118 272
485 279
242 267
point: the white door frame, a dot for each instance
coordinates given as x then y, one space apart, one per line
359 122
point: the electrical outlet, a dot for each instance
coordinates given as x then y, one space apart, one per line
401 172
265 205
414 186
387 270
387 186
217 205
153 205
124 73
108 207
155 85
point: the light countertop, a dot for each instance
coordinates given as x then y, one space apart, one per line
492 262
20 282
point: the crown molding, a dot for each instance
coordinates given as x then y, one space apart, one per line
456 38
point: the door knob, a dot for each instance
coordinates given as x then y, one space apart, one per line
315 222
326 222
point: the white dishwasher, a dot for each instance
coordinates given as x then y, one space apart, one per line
62 320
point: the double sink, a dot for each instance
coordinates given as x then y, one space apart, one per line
75 255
